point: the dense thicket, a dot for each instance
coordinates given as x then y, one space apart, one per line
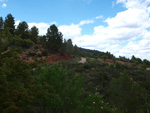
123 87
31 88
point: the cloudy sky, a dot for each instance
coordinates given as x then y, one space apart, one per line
121 27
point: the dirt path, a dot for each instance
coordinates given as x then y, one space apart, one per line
83 60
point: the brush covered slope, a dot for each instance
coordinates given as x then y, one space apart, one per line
43 74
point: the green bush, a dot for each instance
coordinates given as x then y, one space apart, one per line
39 55
44 53
31 54
18 42
36 47
26 43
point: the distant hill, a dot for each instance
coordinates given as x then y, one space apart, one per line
89 50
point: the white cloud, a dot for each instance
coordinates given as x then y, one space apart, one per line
86 22
131 18
113 4
4 5
99 17
41 26
72 31
134 3
126 33
17 23
139 49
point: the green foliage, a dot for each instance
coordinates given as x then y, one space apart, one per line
44 53
22 30
18 42
4 43
68 87
75 50
68 93
127 96
36 47
26 43
136 60
31 54
14 80
39 55
123 59
96 101
34 34
67 90
42 41
69 46
53 38
9 23
146 62
1 24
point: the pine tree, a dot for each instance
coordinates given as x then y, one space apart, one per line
1 23
54 38
34 34
9 23
75 49
23 30
69 46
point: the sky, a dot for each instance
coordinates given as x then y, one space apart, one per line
121 27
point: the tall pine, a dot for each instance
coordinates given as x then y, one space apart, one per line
23 30
1 23
34 34
9 23
54 38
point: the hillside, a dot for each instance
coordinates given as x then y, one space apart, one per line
48 74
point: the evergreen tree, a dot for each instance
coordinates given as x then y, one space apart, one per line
69 46
9 23
64 46
75 49
1 23
34 34
54 38
22 30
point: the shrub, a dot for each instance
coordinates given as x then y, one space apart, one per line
39 55
44 53
36 47
26 43
31 54
18 42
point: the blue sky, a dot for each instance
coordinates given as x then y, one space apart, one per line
118 26
61 11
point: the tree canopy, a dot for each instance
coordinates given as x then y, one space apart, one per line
9 23
1 23
23 30
34 34
54 38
